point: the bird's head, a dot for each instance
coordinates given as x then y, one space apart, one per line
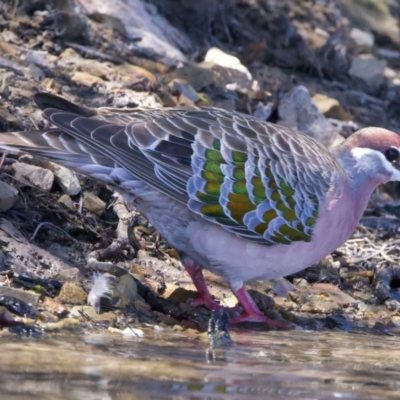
372 154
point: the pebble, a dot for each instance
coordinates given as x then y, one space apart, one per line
66 179
93 203
86 79
40 177
67 201
368 70
71 293
365 40
8 196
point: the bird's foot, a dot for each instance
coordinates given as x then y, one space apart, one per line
206 301
259 317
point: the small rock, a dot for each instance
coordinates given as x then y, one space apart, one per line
67 201
37 176
95 68
297 111
41 58
134 77
301 283
54 307
93 203
8 196
86 79
181 87
199 76
320 304
364 40
68 273
35 72
217 56
181 295
132 98
71 293
69 59
66 179
264 302
369 70
330 107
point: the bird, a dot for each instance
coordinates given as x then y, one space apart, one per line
243 198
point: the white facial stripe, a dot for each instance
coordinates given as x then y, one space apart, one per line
369 157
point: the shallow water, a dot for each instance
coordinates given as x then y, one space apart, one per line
259 365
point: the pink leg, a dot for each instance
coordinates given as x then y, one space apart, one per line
196 274
251 312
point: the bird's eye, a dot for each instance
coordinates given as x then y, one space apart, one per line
392 154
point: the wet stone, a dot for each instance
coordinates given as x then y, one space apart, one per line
32 299
18 307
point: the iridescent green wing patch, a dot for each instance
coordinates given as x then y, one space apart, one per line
258 180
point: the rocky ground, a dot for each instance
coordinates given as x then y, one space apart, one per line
326 68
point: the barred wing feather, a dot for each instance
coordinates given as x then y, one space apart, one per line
255 179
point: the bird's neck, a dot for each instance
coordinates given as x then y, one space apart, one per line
363 177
